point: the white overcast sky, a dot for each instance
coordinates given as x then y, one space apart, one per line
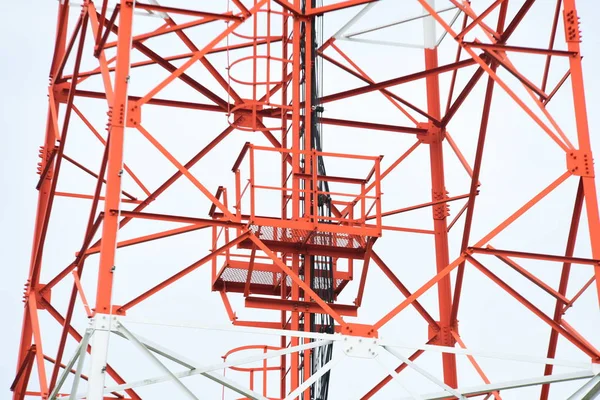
520 163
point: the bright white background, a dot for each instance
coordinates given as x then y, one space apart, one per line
520 161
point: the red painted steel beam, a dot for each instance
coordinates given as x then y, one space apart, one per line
210 107
521 299
578 294
506 34
571 25
397 81
145 50
364 78
91 229
364 272
266 303
173 178
78 258
398 370
403 289
115 145
195 13
180 219
24 370
483 127
100 46
69 48
77 336
370 126
534 256
439 213
157 102
517 75
152 237
520 49
551 44
563 284
293 8
167 282
92 173
45 200
532 278
204 61
164 31
478 20
317 11
422 205
182 56
455 73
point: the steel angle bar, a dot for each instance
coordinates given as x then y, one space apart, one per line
426 374
184 361
382 42
589 391
159 13
80 362
155 360
143 13
221 379
313 378
339 34
240 329
490 354
396 23
158 349
443 35
78 354
483 389
198 370
396 378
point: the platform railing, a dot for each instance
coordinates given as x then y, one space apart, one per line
363 203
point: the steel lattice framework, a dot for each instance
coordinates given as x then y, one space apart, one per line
225 106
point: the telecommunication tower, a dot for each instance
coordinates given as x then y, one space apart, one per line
302 157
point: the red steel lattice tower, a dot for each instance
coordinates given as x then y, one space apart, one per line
328 191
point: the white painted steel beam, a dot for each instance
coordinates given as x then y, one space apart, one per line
483 389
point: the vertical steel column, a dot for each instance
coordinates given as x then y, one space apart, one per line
573 38
116 128
295 359
284 184
310 183
438 188
110 227
43 195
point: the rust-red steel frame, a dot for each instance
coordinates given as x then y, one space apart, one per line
255 245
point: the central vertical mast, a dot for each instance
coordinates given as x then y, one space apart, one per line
435 138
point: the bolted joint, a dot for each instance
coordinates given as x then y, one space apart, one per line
434 134
572 32
60 91
580 163
121 114
109 114
43 296
442 335
44 155
134 114
26 290
440 211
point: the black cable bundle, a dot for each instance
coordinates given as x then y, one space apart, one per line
321 267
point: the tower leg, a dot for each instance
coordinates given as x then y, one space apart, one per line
116 130
438 188
98 359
